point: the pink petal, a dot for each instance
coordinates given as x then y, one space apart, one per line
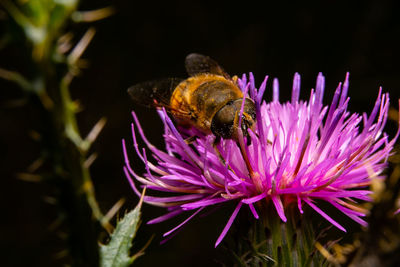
229 224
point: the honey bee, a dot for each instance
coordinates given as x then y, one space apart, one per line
209 100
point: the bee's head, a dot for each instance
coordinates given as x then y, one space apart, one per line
225 122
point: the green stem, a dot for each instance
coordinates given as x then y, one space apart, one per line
72 177
72 133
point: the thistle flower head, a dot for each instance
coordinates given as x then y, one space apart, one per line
299 152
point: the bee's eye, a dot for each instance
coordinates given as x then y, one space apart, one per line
222 122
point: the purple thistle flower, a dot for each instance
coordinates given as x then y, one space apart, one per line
300 152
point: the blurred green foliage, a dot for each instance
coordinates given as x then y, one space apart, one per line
64 161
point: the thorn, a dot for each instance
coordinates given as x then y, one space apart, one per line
46 100
67 79
56 223
29 177
50 200
141 251
90 160
62 235
16 14
64 43
14 103
114 209
107 226
35 135
17 78
66 37
82 64
34 166
91 137
93 15
62 254
81 46
142 197
76 106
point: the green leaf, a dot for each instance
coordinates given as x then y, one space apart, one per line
117 252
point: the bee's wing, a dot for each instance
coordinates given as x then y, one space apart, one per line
197 64
154 93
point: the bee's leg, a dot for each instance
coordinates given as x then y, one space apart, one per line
217 140
269 142
246 118
190 140
242 131
240 144
221 158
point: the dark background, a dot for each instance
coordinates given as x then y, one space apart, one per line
147 40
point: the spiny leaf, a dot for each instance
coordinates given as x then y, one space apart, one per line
116 253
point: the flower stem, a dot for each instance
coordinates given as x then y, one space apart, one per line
64 151
269 241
